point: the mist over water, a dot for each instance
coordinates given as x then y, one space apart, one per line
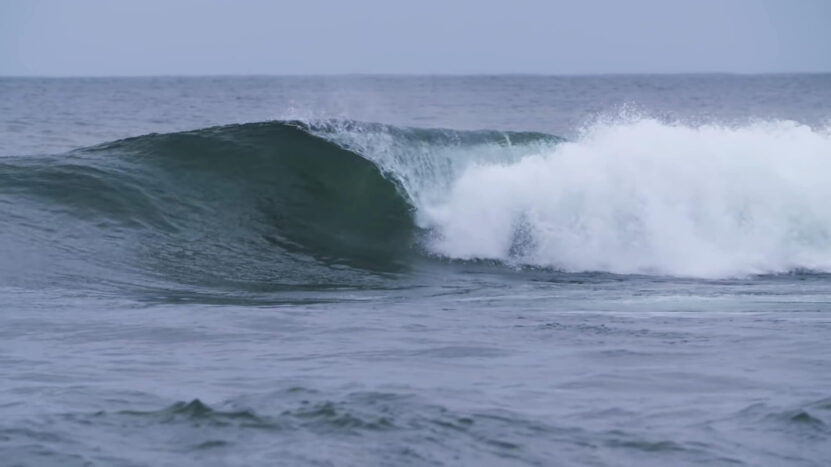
397 270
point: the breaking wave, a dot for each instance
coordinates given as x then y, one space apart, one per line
294 204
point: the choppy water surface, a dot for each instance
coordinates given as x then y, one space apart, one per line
622 270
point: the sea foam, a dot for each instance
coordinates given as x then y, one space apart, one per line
645 196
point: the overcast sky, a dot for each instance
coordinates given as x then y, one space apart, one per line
197 37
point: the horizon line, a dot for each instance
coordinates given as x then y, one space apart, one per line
414 75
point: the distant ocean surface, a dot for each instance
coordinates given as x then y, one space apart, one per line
391 270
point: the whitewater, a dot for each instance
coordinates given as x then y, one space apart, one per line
644 197
361 270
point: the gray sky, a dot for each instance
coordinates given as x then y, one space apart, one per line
172 37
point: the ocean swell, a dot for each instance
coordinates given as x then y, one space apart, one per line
254 206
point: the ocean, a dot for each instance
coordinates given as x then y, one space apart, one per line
416 270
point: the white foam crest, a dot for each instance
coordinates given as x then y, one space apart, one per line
644 196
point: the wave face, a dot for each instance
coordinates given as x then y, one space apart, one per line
255 206
262 206
646 197
252 206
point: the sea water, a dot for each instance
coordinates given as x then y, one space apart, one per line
392 270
